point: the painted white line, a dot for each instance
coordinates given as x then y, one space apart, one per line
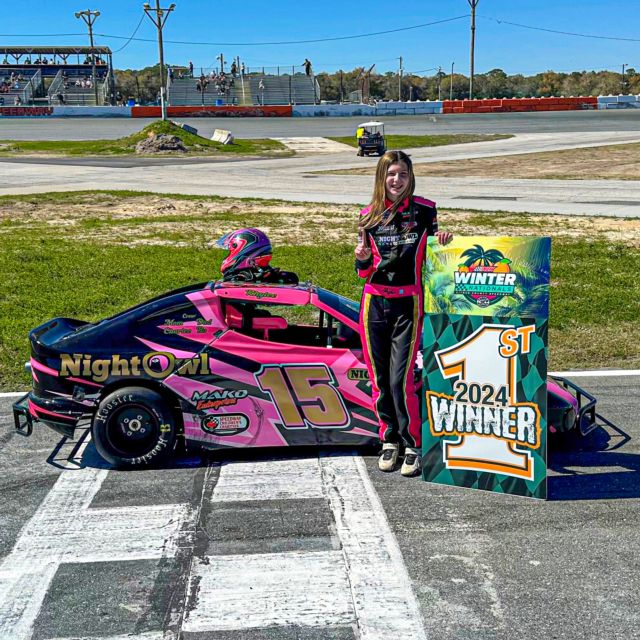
605 373
64 529
274 589
385 604
365 583
269 480
12 394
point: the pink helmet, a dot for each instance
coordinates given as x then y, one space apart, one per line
248 248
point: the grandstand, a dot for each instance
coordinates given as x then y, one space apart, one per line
244 89
56 75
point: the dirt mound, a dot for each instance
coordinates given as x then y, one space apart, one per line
161 143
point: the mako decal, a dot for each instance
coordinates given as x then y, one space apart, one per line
485 277
155 364
228 424
216 398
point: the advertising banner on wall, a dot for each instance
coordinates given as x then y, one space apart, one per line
485 364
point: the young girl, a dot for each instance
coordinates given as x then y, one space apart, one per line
393 233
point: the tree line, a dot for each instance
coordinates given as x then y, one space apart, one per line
143 85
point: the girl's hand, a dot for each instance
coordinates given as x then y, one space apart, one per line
362 253
444 237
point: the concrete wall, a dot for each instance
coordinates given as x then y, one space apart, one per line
619 102
310 110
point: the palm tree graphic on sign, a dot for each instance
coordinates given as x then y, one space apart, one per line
480 260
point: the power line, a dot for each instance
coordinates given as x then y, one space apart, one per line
563 33
259 44
132 35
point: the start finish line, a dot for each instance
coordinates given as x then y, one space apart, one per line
485 355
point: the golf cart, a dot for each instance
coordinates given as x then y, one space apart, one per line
370 136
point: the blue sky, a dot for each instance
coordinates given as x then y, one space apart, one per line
514 49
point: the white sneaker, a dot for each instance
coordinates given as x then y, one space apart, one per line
389 456
411 466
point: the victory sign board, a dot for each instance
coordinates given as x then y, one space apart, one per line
485 364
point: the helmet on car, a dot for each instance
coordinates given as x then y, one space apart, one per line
248 248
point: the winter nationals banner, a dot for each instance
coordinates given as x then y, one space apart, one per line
485 364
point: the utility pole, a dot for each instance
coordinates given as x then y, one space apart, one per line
623 81
472 4
440 74
159 17
90 17
451 83
400 81
221 58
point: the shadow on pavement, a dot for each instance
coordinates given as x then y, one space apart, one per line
593 468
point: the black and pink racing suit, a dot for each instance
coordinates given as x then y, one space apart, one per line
391 316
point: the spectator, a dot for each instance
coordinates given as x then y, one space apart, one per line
234 69
61 99
261 92
18 101
119 99
1 101
243 69
170 71
191 68
180 75
307 66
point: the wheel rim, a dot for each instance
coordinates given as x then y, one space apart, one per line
132 431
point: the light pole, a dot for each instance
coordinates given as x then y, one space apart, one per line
400 81
90 17
472 4
623 66
159 16
451 83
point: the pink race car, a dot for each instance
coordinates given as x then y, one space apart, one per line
219 365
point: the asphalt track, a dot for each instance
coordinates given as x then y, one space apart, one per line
481 565
545 122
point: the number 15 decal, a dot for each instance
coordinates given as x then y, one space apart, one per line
304 395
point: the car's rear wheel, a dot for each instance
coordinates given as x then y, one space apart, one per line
134 427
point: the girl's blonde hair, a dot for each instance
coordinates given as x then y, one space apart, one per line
377 209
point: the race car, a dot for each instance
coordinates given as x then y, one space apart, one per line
221 364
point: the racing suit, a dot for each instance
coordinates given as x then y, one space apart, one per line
391 316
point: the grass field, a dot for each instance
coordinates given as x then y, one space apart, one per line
410 142
196 145
90 254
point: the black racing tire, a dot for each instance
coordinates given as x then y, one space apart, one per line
134 427
360 152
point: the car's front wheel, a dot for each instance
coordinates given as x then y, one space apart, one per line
134 427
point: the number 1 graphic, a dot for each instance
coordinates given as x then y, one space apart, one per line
477 359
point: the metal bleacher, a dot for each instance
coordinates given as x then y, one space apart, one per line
26 84
51 72
246 90
65 85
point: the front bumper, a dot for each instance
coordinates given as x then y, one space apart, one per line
60 414
586 409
